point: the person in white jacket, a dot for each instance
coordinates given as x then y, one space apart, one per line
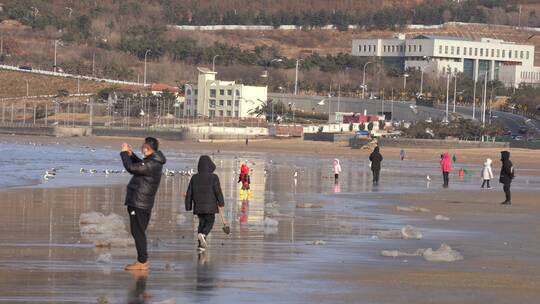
487 173
336 168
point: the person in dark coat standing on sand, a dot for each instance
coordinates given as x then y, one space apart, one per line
141 193
376 159
507 175
205 198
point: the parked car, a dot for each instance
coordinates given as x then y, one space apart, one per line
25 67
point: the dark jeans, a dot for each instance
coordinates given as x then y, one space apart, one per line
336 177
446 179
206 222
376 174
507 193
138 221
486 181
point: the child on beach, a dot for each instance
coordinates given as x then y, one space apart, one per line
402 154
487 173
244 177
205 197
446 167
336 168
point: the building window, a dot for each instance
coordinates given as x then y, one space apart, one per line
365 48
236 103
229 103
465 51
221 102
481 52
446 49
212 103
527 55
470 51
410 48
374 48
509 54
212 92
220 113
475 51
188 91
196 91
516 54
498 53
492 53
503 53
414 48
229 113
452 50
359 49
237 93
521 54
457 50
212 113
229 92
384 48
236 113
440 49
401 48
369 48
393 48
420 48
221 92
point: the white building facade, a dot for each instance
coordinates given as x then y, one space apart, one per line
441 55
217 98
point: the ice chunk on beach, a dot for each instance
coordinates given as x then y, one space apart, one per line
317 243
411 209
406 233
104 258
397 253
439 217
104 230
410 233
445 253
308 206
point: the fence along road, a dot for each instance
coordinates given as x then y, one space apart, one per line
67 75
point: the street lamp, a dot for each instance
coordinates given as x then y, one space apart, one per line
447 93
455 93
265 74
422 74
144 77
364 80
214 62
296 76
484 101
405 81
55 52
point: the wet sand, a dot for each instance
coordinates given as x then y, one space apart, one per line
44 258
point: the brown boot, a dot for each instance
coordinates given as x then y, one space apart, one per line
138 266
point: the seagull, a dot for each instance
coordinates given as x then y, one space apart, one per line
295 174
48 176
428 178
321 103
50 173
93 171
83 170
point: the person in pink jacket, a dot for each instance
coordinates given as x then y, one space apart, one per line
446 168
337 170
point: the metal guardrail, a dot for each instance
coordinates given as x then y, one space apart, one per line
67 75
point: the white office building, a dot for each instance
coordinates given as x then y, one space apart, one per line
506 61
217 98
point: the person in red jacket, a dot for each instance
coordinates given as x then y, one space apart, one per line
244 177
446 168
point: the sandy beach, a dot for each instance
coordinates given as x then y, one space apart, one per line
279 249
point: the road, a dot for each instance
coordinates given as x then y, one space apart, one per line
402 111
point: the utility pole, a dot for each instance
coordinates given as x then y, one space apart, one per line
364 81
144 77
455 92
484 103
55 51
296 77
447 93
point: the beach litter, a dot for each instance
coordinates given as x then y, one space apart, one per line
411 209
439 217
406 233
104 230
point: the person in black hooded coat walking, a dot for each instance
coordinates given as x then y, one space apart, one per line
376 159
507 175
204 197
